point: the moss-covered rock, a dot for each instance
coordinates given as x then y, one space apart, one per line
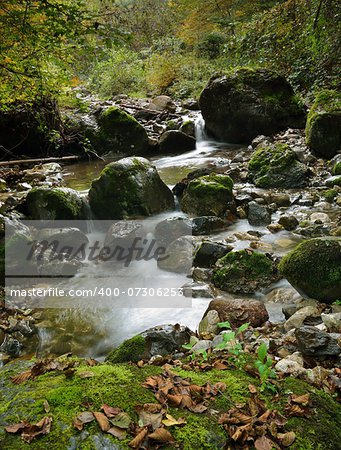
120 133
337 168
129 188
120 385
314 269
210 195
323 128
244 271
133 349
54 204
247 102
276 166
333 181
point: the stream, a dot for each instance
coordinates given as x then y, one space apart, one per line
94 331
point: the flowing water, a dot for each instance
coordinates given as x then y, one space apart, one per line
95 330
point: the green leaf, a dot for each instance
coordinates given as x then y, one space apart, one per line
262 352
225 325
243 327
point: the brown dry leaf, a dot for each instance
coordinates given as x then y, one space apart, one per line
198 409
16 427
92 362
218 365
287 439
242 418
170 421
137 441
174 400
264 417
151 382
140 364
161 435
109 411
252 389
186 401
41 428
117 433
46 406
148 418
264 443
102 421
240 435
152 407
86 374
83 418
301 399
22 377
122 420
296 410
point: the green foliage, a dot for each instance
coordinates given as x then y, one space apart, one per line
211 45
264 365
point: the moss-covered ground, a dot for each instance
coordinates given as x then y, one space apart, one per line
121 386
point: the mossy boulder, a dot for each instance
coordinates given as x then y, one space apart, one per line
120 385
314 269
246 103
337 169
244 272
174 142
160 340
129 188
277 166
323 128
210 195
118 132
54 204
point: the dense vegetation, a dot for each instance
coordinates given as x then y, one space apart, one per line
168 46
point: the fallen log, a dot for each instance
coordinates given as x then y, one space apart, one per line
39 160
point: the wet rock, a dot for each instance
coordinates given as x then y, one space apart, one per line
312 342
239 311
276 166
197 290
275 227
201 346
48 173
324 124
244 272
210 195
201 275
332 322
320 218
62 237
3 185
11 347
288 222
333 181
122 234
258 215
208 326
180 187
173 142
260 140
129 188
188 127
54 204
314 269
209 252
161 340
208 224
309 315
191 104
178 257
236 108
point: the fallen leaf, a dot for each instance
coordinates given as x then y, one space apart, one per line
264 443
46 406
102 421
287 439
170 421
92 362
219 365
148 418
199 409
137 441
161 435
109 411
117 433
22 377
252 389
174 400
16 427
86 374
83 418
301 399
41 428
122 420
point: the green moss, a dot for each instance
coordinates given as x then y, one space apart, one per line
208 195
276 165
120 386
132 349
323 125
119 132
314 268
54 204
242 265
337 169
329 194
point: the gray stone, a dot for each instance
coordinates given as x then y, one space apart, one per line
312 342
288 222
300 317
332 322
208 326
209 252
258 215
173 142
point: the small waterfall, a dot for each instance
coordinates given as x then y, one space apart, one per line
200 132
